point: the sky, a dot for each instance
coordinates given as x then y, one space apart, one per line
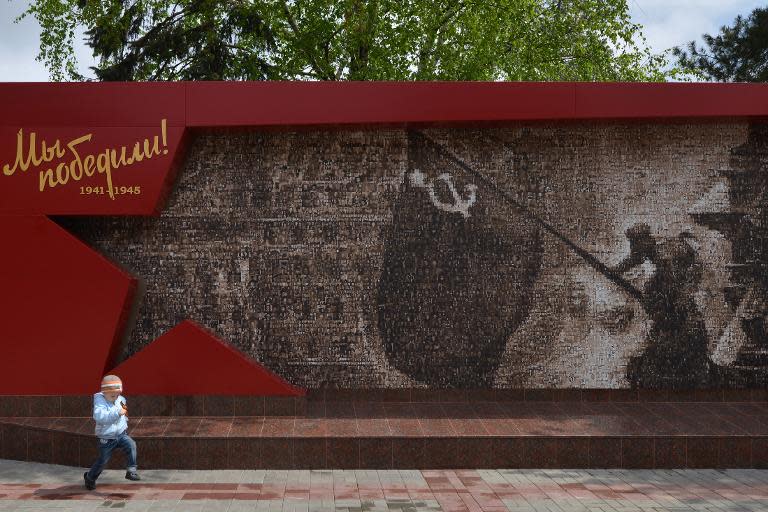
666 23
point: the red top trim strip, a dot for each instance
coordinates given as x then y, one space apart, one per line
221 104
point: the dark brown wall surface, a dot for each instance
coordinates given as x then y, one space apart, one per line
381 258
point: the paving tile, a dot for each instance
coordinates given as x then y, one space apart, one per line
87 450
637 452
309 453
760 452
279 405
149 452
375 453
669 452
342 453
464 420
540 452
501 427
604 452
621 395
515 489
214 427
408 453
40 422
244 453
545 428
211 454
249 406
182 427
474 452
510 395
540 395
653 395
453 395
734 452
188 405
737 395
246 426
13 406
66 449
178 453
335 409
573 452
507 452
696 413
150 405
278 427
40 406
341 427
372 427
77 405
405 427
151 427
440 452
14 442
649 421
310 427
277 452
701 452
219 406
39 445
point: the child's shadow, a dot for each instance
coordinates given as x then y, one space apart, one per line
70 492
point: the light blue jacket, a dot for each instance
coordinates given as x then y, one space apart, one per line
109 423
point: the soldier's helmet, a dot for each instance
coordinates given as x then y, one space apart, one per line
639 231
679 258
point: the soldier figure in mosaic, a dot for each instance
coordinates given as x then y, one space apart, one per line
676 354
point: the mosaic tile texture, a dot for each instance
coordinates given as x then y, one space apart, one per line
538 256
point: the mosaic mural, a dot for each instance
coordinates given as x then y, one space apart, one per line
545 255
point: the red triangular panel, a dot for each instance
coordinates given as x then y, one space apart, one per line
188 360
62 308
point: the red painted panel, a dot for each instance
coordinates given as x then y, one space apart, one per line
63 305
92 171
61 309
672 100
301 103
118 115
92 105
213 104
188 360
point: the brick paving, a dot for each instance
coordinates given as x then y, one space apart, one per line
34 486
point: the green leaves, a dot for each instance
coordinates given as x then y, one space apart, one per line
347 40
59 20
739 53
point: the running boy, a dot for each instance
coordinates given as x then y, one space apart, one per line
110 413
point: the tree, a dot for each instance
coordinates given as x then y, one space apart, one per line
347 40
739 53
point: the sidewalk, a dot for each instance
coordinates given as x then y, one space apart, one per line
33 486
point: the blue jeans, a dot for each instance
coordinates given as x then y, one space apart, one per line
106 447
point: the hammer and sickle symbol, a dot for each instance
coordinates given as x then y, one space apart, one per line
459 204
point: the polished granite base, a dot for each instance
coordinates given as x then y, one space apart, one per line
379 433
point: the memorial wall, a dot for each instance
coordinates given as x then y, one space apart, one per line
537 255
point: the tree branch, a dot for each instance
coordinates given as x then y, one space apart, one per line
428 48
310 55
